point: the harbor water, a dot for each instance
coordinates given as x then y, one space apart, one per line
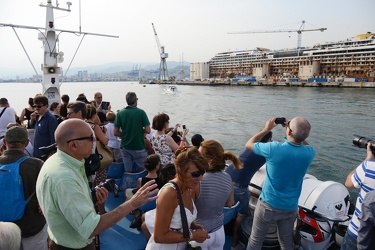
232 114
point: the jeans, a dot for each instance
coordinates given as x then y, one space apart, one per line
242 194
349 242
133 160
263 217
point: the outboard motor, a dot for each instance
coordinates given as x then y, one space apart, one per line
322 207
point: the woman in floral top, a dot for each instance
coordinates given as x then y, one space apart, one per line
162 142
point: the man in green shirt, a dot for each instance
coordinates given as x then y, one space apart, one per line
131 125
64 194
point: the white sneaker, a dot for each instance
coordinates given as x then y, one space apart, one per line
239 246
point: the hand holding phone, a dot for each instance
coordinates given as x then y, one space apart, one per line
280 120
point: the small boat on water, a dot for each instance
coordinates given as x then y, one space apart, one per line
171 90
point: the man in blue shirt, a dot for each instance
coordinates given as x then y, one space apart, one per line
286 165
45 126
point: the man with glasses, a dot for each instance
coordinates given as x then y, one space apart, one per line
65 197
286 166
76 109
131 124
101 107
45 124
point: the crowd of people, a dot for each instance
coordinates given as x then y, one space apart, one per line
61 212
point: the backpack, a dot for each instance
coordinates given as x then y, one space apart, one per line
12 200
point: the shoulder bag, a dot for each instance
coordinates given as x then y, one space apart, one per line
104 152
185 227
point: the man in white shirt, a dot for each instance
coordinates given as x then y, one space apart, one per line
7 115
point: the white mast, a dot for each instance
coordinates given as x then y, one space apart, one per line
51 70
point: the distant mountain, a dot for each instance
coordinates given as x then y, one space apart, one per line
124 66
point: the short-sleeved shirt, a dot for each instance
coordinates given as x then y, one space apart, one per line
44 133
363 178
132 122
9 116
65 198
251 163
286 165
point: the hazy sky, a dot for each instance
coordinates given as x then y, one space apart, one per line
196 29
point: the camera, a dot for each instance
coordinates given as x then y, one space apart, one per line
362 142
183 126
110 185
280 120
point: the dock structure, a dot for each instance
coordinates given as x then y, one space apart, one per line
353 58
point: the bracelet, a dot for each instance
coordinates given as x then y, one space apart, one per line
190 235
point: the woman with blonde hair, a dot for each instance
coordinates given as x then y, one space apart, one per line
214 193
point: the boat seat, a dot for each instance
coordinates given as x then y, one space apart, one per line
129 180
148 206
230 212
115 170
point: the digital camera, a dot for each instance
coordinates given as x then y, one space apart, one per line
362 142
110 185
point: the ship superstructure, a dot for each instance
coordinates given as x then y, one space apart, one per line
351 58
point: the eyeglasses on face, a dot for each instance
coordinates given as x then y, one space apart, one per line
38 106
91 138
69 113
196 174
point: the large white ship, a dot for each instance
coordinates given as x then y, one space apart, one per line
349 60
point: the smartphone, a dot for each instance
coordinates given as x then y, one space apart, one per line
105 105
280 120
183 126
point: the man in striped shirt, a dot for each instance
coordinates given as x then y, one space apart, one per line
362 177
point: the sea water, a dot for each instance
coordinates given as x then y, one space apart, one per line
232 114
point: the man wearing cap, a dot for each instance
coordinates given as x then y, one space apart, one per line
33 224
45 126
7 114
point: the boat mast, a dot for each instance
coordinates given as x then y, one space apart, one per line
52 57
50 68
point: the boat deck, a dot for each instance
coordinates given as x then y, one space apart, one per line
121 235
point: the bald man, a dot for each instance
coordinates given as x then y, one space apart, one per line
286 165
64 194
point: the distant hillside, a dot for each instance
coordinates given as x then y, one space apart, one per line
124 66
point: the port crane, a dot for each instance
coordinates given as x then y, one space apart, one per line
163 70
299 32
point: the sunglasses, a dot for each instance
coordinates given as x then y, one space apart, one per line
91 138
196 174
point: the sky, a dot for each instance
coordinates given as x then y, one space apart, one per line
195 30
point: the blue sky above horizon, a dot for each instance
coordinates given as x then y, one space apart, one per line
195 29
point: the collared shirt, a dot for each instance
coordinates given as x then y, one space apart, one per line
44 133
65 198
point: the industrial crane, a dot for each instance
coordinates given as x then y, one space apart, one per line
299 32
163 71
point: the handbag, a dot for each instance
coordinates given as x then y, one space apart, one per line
185 227
104 152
